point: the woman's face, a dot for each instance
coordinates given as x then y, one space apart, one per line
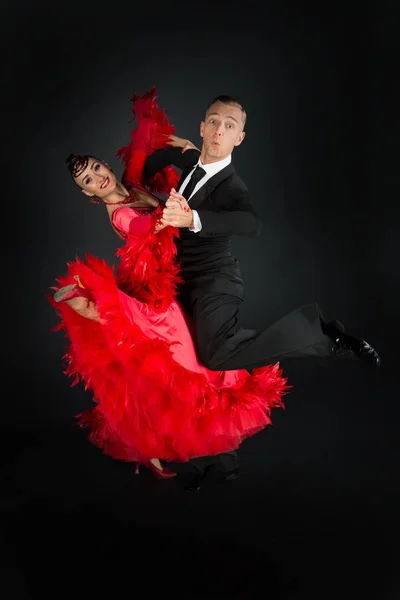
97 179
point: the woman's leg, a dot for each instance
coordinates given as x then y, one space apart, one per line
77 298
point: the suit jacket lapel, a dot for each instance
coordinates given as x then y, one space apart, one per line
209 186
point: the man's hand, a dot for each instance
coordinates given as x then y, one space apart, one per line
177 212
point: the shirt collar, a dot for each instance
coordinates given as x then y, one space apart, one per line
213 168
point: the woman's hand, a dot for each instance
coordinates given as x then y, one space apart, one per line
161 224
178 142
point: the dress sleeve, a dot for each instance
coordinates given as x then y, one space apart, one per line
130 221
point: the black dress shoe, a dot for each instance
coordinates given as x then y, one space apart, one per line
346 345
193 483
193 486
231 475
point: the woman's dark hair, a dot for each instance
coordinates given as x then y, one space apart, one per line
77 163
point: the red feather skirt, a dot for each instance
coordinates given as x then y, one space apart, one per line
152 398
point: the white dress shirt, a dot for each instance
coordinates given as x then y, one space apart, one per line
211 170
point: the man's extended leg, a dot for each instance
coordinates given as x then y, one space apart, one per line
223 345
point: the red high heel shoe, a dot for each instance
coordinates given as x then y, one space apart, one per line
160 474
73 290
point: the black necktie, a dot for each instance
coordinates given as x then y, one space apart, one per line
197 174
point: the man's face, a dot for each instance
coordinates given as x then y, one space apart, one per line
221 131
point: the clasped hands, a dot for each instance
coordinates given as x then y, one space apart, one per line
176 213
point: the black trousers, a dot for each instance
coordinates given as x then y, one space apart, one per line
221 343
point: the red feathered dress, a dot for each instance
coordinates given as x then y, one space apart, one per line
152 397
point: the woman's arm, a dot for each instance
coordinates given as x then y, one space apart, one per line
171 155
128 221
178 142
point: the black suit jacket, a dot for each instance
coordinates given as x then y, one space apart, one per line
224 208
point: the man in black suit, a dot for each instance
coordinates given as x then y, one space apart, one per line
211 205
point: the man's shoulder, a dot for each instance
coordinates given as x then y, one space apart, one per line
234 181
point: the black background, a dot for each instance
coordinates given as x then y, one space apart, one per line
317 499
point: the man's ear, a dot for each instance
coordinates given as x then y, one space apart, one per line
240 138
201 128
